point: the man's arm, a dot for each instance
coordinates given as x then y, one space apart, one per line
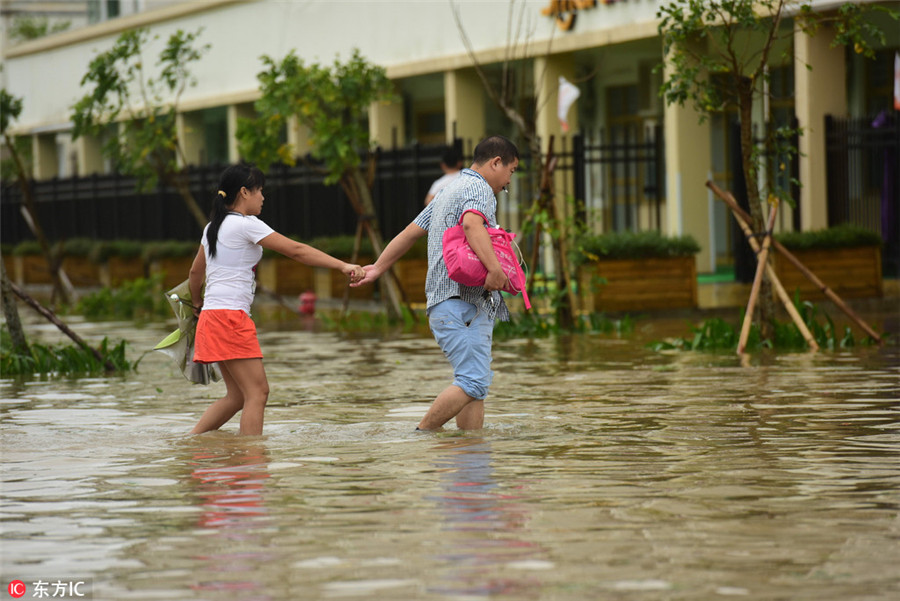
480 241
395 249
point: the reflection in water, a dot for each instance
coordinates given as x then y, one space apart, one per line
483 524
228 477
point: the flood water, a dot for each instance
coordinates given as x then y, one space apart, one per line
605 471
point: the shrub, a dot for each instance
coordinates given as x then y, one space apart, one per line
633 245
26 248
342 246
125 249
168 249
841 236
78 247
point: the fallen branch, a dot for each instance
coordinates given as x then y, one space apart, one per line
52 318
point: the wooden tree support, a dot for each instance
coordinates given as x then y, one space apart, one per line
761 262
52 318
744 218
779 289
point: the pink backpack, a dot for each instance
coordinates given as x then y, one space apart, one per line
465 267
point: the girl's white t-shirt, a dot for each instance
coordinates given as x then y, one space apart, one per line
230 275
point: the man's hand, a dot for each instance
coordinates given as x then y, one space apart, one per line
496 280
371 274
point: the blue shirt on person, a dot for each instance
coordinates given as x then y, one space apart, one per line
468 191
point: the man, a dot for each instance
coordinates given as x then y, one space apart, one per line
461 317
451 165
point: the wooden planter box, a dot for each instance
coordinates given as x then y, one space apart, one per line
117 270
31 269
329 283
411 273
174 269
640 284
284 276
82 271
850 272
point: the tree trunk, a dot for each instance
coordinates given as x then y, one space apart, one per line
354 184
766 305
179 182
11 312
565 303
62 288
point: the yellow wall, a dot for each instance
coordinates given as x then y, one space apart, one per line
464 100
818 92
383 118
688 164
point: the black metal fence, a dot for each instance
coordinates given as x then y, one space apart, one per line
618 173
863 164
298 203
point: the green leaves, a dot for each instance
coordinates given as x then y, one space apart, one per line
331 102
134 113
10 109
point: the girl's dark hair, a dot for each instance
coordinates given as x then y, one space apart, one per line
230 183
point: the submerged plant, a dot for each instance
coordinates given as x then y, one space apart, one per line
61 358
716 334
534 325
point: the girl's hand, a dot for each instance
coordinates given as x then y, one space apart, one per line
372 274
355 272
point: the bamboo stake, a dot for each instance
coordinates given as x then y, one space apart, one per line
839 303
779 289
761 262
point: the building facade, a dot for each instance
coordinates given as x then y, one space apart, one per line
608 49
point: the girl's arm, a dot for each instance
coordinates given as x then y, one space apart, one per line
306 254
195 279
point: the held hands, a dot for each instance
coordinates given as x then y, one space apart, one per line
371 274
355 272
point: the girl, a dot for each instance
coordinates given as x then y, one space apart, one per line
231 246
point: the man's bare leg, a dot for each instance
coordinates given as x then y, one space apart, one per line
471 417
448 404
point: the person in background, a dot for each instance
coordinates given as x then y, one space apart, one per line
231 246
461 317
451 165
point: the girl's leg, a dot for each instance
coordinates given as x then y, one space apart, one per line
217 414
250 377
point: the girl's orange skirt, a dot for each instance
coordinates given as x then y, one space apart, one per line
224 334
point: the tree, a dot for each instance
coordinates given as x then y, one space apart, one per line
25 28
718 53
522 107
134 113
332 103
10 109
